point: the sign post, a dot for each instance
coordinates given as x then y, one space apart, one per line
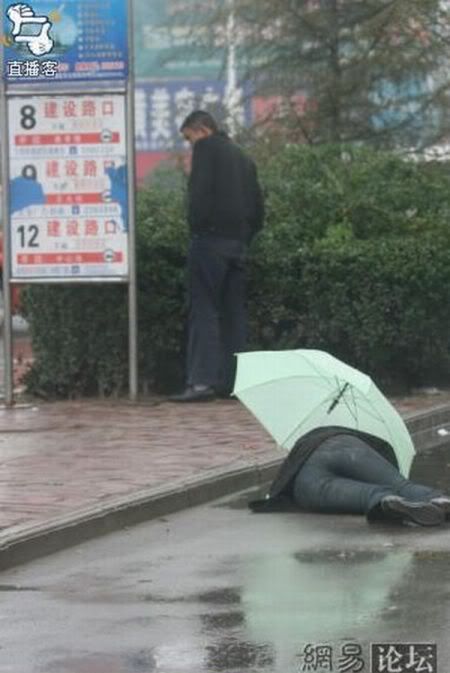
68 151
132 277
6 270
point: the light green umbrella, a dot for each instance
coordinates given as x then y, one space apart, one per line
294 391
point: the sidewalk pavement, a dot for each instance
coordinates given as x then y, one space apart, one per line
72 470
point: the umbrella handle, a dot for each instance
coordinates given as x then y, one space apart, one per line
336 400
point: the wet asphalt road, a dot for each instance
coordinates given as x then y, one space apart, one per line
218 589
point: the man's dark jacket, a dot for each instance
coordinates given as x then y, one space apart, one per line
280 492
224 197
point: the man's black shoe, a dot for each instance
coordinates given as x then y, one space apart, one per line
225 394
421 513
197 393
443 503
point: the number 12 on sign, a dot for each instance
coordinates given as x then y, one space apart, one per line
28 236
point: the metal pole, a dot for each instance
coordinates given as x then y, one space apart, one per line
132 282
7 317
232 95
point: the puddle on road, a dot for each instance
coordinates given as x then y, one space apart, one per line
341 595
220 596
336 556
13 587
216 596
346 594
136 662
233 655
274 604
223 620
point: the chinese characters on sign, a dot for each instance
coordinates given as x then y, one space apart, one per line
71 40
384 658
32 70
160 109
68 186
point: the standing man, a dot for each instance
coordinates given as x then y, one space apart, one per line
225 210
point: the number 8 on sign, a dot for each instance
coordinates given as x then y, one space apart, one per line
28 117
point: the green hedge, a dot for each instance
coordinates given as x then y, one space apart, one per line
79 337
353 259
381 305
316 192
80 333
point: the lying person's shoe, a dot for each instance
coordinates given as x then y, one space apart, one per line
443 503
197 393
421 513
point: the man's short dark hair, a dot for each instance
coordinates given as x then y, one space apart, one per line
198 119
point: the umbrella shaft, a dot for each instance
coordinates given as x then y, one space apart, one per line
336 399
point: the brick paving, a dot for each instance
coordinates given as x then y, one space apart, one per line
56 458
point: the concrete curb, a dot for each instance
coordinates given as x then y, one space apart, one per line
21 544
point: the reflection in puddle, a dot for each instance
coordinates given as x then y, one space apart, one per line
309 596
340 556
221 596
233 655
13 587
225 620
227 596
135 662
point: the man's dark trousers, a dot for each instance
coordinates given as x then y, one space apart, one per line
217 311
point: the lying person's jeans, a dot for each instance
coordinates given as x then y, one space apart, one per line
345 475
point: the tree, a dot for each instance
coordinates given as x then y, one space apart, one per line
347 70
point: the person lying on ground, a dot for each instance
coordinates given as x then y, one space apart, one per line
337 470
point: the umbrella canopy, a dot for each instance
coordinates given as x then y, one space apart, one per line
292 392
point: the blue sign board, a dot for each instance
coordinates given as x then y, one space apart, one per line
161 107
401 103
64 40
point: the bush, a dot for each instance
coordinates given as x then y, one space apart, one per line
380 305
161 255
353 259
80 333
79 337
314 191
